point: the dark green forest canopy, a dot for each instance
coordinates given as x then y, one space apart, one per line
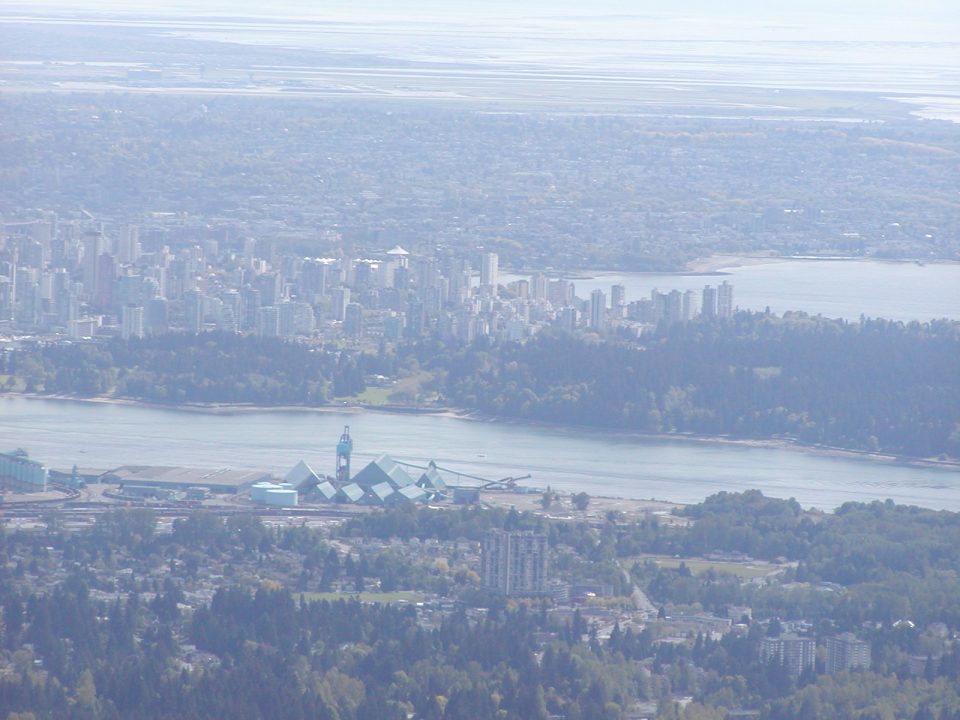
179 368
876 385
270 654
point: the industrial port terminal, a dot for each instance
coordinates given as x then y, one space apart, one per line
28 486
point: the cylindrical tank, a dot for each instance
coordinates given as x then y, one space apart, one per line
258 491
281 497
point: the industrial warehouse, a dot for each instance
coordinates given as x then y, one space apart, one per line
177 478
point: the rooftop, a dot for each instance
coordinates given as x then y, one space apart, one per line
223 479
383 469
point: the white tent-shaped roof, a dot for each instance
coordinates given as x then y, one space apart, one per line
383 469
326 490
302 476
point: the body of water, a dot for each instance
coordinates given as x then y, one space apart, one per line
833 288
61 433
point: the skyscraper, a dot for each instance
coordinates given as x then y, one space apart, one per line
353 321
490 271
567 319
538 287
93 244
689 305
156 316
7 297
725 300
313 277
708 308
131 321
193 311
560 292
618 299
250 299
673 307
268 321
341 298
598 310
415 318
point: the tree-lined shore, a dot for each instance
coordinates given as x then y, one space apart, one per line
875 387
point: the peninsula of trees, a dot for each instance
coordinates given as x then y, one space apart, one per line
874 385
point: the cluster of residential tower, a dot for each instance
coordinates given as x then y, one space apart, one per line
87 279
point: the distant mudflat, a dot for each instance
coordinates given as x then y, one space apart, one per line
536 55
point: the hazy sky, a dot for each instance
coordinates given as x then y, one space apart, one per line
766 9
933 21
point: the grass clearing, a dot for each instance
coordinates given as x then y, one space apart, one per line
374 396
12 383
416 389
697 566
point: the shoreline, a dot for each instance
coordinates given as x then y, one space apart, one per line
719 265
715 264
226 409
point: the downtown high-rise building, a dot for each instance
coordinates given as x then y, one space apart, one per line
567 319
725 300
131 321
598 310
618 300
341 298
689 305
538 287
708 307
490 271
353 321
193 311
268 321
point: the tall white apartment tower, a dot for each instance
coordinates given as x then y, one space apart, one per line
490 271
725 300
